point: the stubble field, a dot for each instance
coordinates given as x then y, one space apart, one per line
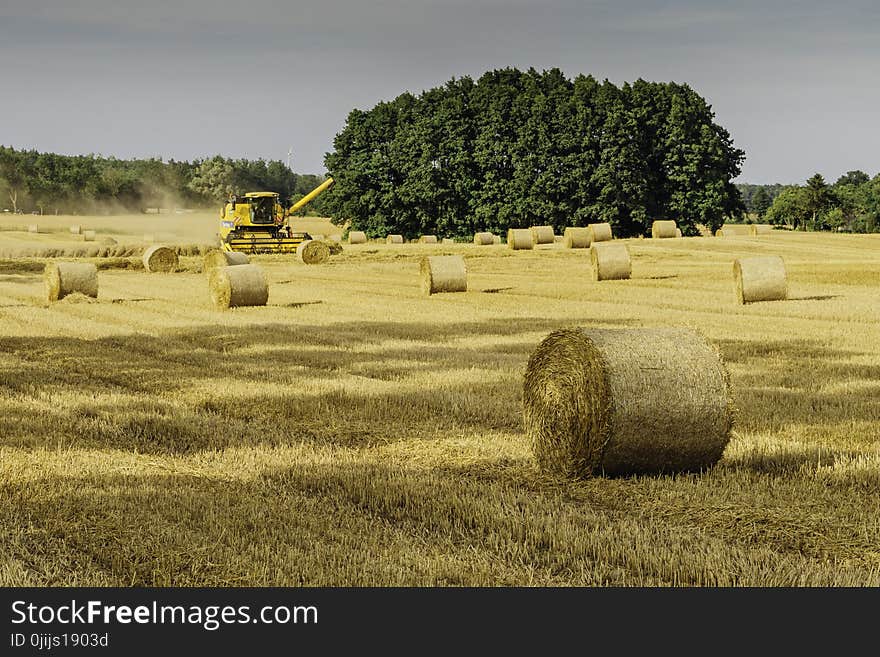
355 432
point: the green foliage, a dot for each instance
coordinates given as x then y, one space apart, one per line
514 149
761 201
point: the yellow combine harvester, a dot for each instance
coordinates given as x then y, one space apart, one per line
257 222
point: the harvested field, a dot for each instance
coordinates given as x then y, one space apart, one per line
356 432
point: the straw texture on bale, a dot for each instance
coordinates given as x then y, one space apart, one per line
542 234
447 240
160 258
576 238
88 235
76 229
484 239
733 229
63 278
663 229
519 238
357 237
760 229
610 262
443 274
678 232
496 239
238 285
760 278
33 228
218 258
335 247
394 239
600 232
428 239
626 401
313 252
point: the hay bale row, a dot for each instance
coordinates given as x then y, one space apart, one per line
600 232
542 234
664 229
576 237
443 274
238 285
66 278
519 239
626 401
313 252
760 278
394 239
428 239
357 237
610 262
484 239
159 258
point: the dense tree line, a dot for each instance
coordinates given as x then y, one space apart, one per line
514 149
851 204
31 181
757 199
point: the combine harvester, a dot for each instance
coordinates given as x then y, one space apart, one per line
257 222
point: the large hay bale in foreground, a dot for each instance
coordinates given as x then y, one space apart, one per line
238 285
428 239
63 278
626 401
357 237
760 278
520 238
89 235
219 258
159 258
576 237
610 262
394 239
313 252
443 274
33 228
76 229
664 229
542 234
484 239
600 232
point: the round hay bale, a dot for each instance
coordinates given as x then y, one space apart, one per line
219 258
678 232
761 229
626 401
484 239
149 238
496 239
33 228
63 278
542 234
159 258
428 239
447 240
238 285
394 239
519 238
313 252
735 229
335 247
610 262
357 237
443 274
600 232
576 237
663 229
89 236
760 278
76 229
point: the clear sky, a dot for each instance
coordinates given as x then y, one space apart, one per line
796 83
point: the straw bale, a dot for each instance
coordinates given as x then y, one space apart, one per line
357 237
75 229
600 232
394 239
238 285
219 258
662 229
678 232
64 278
519 238
313 252
33 228
760 278
159 258
610 262
626 401
576 237
484 239
88 236
428 239
542 234
443 274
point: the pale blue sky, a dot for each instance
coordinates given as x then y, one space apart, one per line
796 83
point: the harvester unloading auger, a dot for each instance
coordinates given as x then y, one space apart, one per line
256 222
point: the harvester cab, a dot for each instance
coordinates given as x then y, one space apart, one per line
256 222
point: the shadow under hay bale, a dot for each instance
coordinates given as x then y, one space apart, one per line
664 229
576 237
159 258
238 285
760 278
542 234
484 239
626 401
313 252
219 258
600 232
65 278
520 239
394 239
443 274
357 237
610 262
